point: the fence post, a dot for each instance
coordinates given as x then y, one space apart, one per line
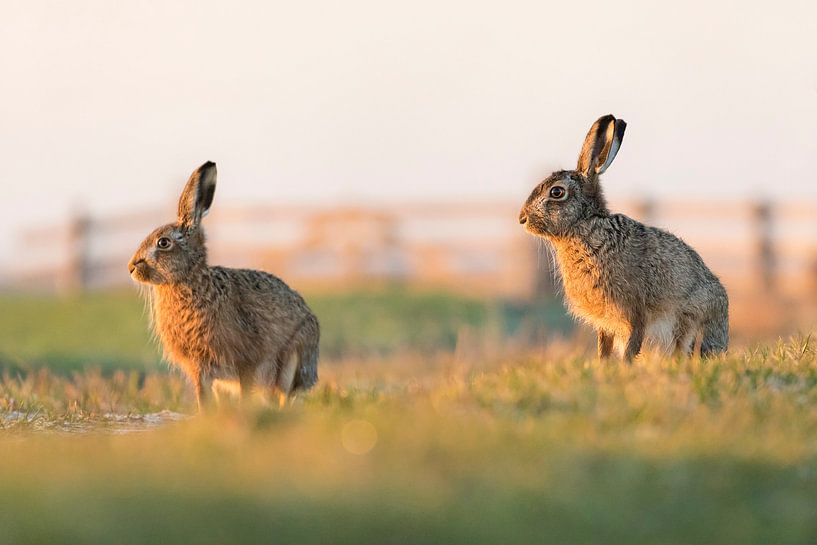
764 245
76 274
645 210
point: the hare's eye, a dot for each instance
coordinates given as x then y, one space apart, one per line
164 243
557 193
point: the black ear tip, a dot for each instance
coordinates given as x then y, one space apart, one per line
207 166
621 126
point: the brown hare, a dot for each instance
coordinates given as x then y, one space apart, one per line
232 328
629 281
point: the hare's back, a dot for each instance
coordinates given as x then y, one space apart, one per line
679 256
675 274
266 296
655 263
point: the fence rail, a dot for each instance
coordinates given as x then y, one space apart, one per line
756 247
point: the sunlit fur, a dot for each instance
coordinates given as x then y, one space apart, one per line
629 281
218 324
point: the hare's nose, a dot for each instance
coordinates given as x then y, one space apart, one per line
133 263
523 218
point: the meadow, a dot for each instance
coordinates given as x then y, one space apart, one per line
438 419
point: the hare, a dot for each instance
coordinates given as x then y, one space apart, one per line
231 328
631 282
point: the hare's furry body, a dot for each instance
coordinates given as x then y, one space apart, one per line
620 275
237 327
631 282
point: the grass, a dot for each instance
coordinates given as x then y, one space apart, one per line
434 422
106 330
548 447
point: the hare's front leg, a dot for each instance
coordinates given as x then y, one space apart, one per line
203 386
605 344
636 339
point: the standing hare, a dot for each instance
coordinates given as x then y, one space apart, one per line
629 281
233 328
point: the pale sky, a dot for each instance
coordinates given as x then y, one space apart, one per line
110 105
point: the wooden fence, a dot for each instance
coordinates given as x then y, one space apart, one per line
469 247
756 248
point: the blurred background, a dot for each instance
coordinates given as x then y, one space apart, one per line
375 156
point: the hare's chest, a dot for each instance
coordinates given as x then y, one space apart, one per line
184 335
589 293
189 336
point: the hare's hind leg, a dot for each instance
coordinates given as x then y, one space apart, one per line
307 375
308 352
275 378
685 345
715 328
265 381
224 387
684 335
715 337
297 364
286 376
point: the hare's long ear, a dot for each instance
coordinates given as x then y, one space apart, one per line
601 145
197 195
612 146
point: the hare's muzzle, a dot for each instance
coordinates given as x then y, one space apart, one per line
133 264
523 217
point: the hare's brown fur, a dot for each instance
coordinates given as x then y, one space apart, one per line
631 282
220 324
